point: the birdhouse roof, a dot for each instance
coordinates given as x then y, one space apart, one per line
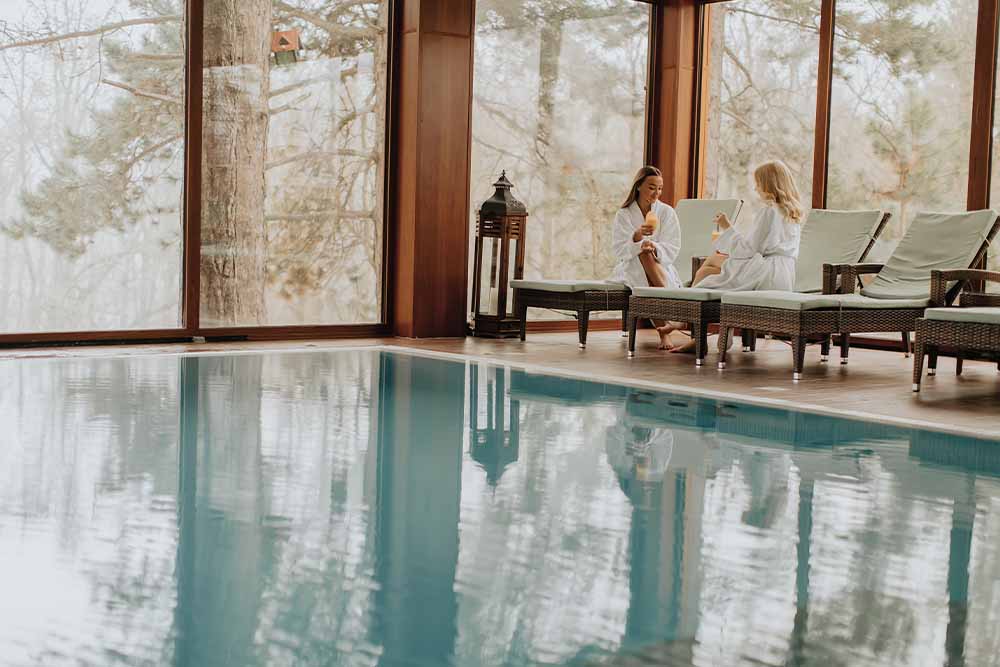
285 40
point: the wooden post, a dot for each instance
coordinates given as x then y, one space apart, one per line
824 87
983 94
432 121
673 101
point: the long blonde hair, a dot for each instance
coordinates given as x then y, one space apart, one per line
640 176
777 185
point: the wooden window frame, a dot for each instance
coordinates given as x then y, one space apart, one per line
190 328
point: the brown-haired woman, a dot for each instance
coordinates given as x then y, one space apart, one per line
646 240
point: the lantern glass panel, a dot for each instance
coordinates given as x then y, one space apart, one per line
490 272
511 265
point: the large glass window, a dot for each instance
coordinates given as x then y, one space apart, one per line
91 164
762 60
294 135
901 108
560 104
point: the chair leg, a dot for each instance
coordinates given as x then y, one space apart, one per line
724 333
932 357
824 347
753 341
625 321
906 344
799 354
918 364
583 319
699 332
958 365
632 324
845 347
522 314
745 335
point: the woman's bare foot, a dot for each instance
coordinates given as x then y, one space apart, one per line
665 342
668 328
687 347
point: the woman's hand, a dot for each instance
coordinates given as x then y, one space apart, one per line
722 220
650 247
644 230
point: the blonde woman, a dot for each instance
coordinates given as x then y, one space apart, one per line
762 257
646 240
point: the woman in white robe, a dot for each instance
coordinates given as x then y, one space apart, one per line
646 240
763 257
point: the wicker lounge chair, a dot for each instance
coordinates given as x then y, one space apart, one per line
828 239
892 302
586 296
696 217
971 331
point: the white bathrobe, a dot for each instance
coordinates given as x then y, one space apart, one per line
761 257
667 240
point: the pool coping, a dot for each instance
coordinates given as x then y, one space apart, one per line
786 404
812 408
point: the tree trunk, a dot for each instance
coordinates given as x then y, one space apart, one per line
549 50
237 64
713 168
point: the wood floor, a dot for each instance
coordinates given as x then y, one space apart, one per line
875 383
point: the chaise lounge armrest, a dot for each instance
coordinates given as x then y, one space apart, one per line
942 294
849 275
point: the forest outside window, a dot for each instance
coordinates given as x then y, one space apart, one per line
901 108
761 60
559 102
91 164
292 230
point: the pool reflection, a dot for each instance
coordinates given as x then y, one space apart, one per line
385 509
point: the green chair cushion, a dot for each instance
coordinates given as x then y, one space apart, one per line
857 301
933 241
831 237
779 299
978 315
682 293
695 217
569 286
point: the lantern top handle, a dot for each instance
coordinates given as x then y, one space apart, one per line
503 201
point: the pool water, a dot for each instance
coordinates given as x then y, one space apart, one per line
366 507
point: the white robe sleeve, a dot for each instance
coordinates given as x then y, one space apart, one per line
624 248
668 237
763 240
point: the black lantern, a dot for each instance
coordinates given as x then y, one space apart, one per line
499 259
494 420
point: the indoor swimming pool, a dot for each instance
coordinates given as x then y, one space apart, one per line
370 507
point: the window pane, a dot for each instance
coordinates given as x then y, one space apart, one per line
560 104
901 108
294 139
762 64
91 165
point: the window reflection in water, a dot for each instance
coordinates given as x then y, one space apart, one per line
367 508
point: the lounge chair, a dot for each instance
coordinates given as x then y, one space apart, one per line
586 296
697 217
829 238
971 331
892 302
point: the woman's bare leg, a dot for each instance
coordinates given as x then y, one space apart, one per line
656 276
712 266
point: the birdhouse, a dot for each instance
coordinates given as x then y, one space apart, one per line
494 420
499 259
285 46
